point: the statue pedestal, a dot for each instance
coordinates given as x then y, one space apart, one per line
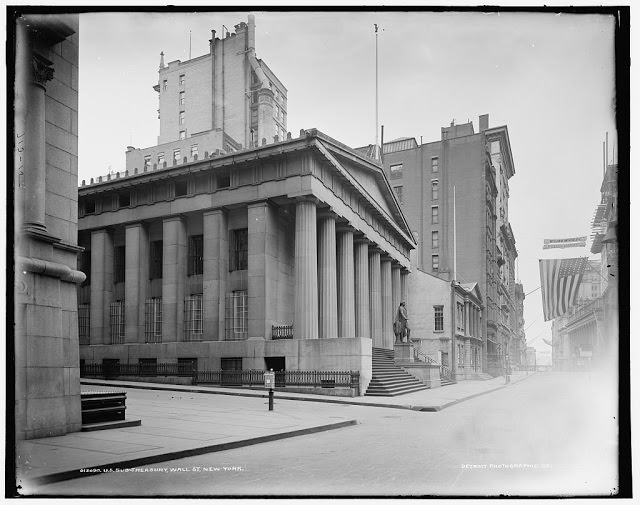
403 353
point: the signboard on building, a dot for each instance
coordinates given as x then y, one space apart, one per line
553 243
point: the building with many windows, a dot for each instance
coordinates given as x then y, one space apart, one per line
293 255
218 102
479 166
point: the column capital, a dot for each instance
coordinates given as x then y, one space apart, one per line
213 212
171 219
134 225
385 258
326 213
42 70
396 266
307 198
259 203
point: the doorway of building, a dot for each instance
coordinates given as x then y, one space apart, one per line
277 364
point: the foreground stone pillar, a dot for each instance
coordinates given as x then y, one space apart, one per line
263 269
375 299
387 305
215 269
101 286
136 280
346 286
327 284
361 276
306 272
174 266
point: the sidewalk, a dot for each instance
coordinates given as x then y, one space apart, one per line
427 400
182 421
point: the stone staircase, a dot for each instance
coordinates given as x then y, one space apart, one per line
388 379
479 376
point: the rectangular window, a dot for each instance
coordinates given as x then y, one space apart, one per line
181 117
148 366
438 318
435 262
186 366
194 150
434 240
155 260
181 80
181 99
183 134
116 311
84 323
160 159
124 200
194 266
193 318
434 190
89 206
398 191
434 215
434 165
236 315
176 155
395 171
239 250
118 264
84 265
444 358
180 188
164 85
147 161
153 320
460 317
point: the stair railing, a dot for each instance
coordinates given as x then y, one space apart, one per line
420 356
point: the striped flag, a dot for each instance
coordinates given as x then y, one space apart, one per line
560 280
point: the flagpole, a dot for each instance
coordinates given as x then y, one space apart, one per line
455 257
376 145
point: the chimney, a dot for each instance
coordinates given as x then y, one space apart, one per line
251 31
483 122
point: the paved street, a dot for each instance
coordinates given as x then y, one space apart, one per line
551 434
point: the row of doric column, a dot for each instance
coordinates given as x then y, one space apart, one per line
345 286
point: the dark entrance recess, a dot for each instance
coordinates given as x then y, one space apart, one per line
277 363
231 371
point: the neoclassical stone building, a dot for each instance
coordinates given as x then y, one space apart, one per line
291 255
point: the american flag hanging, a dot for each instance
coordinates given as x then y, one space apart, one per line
560 280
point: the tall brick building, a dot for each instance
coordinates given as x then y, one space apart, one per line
479 166
221 101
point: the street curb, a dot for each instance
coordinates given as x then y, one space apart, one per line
169 456
417 408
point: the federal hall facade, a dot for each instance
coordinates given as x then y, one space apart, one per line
292 255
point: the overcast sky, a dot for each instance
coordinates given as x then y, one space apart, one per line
549 78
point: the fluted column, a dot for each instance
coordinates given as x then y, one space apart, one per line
101 286
263 269
174 266
361 277
215 270
467 355
346 285
396 287
33 71
387 303
306 272
404 286
136 280
375 299
327 282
